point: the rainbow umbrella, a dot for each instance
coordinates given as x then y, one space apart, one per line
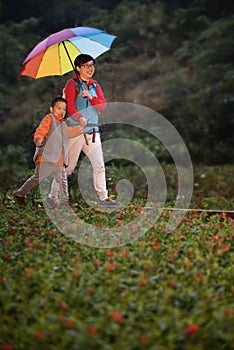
55 54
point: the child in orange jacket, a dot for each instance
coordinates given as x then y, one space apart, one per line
51 155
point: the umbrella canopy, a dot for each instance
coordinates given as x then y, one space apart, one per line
55 54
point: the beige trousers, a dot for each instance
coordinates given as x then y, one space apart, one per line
43 171
94 152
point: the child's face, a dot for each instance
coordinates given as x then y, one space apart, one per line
59 109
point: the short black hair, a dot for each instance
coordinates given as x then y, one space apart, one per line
57 99
82 59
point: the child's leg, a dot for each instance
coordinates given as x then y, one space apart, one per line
41 172
75 145
60 178
54 191
29 184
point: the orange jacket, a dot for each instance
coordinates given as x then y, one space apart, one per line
43 130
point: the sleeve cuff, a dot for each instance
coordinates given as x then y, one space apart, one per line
76 116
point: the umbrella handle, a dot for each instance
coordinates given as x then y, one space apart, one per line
74 68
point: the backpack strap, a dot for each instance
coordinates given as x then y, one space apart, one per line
77 86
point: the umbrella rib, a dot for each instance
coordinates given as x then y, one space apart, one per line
55 55
70 60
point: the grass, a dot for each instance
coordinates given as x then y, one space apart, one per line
163 291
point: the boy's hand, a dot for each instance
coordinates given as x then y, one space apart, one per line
83 122
74 132
39 142
79 129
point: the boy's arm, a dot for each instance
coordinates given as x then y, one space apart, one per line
42 130
73 132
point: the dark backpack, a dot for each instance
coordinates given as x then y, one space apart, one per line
77 87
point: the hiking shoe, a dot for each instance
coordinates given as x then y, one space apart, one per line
108 203
21 200
52 202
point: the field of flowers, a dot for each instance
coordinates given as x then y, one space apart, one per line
163 291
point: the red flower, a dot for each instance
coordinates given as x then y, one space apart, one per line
110 267
119 234
7 346
225 248
10 219
170 256
143 282
64 305
117 316
229 313
144 339
188 265
191 329
109 253
171 284
124 253
88 291
216 239
28 243
188 223
197 277
219 252
118 224
133 228
12 229
69 324
38 335
6 256
92 330
156 246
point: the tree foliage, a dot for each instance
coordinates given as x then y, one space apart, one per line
172 56
205 92
11 172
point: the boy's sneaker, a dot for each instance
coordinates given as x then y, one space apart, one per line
108 203
21 200
52 202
